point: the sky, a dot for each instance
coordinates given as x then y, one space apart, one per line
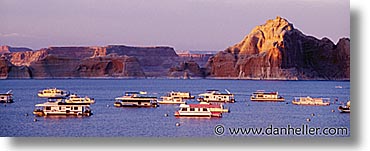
210 25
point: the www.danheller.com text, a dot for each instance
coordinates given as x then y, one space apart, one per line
304 130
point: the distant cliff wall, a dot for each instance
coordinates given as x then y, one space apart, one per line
109 61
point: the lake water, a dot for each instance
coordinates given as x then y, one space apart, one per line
109 121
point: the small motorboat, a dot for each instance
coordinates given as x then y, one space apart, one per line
6 97
53 93
346 108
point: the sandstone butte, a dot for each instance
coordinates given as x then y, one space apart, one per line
272 51
276 50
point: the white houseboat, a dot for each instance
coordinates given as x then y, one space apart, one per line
266 96
53 93
216 96
6 97
183 95
311 101
135 99
62 108
171 100
346 108
196 110
74 98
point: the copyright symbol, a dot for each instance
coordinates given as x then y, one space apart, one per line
219 130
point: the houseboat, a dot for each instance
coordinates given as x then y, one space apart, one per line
346 108
311 101
6 97
183 95
73 98
196 110
216 96
171 100
135 99
53 93
266 96
62 108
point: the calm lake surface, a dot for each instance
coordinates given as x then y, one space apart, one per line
109 121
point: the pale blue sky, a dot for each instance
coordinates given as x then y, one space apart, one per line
182 24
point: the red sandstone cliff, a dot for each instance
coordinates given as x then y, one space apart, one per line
276 50
109 61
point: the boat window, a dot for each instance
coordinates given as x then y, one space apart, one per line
184 109
206 97
205 109
60 108
75 108
192 109
48 108
2 97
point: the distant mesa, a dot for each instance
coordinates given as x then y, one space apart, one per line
274 50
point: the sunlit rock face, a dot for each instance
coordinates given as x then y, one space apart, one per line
276 50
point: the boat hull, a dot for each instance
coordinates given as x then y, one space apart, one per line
198 114
165 102
267 100
310 104
51 96
221 101
120 104
43 113
7 101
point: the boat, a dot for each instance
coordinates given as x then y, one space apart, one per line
261 95
183 95
62 108
53 93
6 97
311 101
196 110
216 96
135 99
171 100
74 98
176 97
216 107
346 108
338 87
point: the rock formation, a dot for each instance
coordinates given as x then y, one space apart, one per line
123 66
187 69
9 71
8 49
276 50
